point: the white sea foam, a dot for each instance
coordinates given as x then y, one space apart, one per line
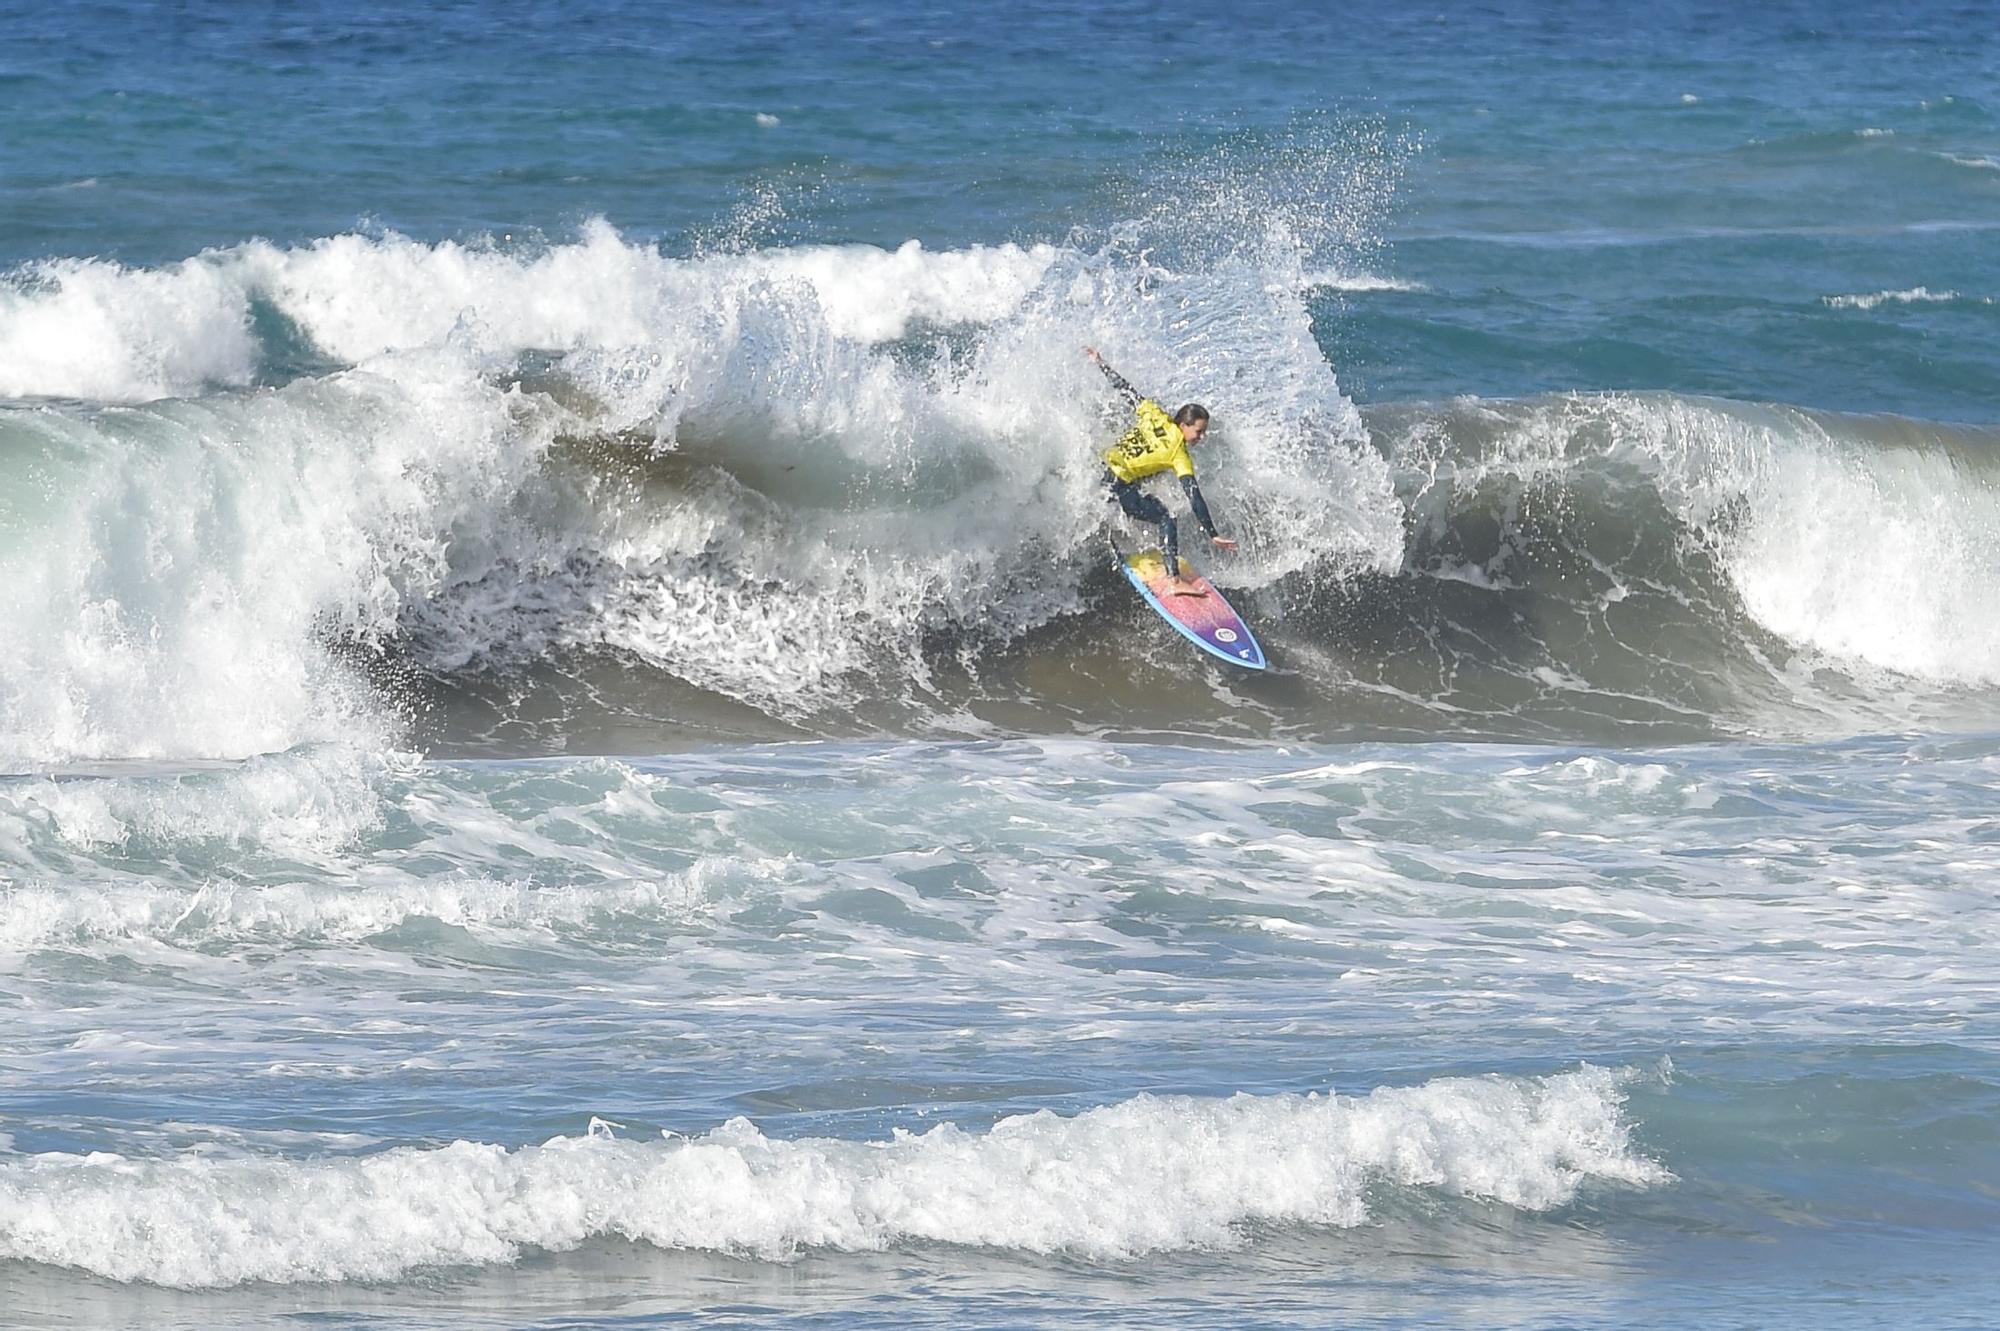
1146 1175
1877 566
310 801
359 296
87 328
82 916
1340 281
93 329
283 847
180 570
1909 296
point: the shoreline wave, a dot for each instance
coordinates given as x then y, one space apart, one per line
1151 1174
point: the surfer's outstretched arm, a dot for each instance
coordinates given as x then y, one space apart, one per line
1201 515
1118 381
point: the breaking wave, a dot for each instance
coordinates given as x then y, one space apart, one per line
1155 1173
371 488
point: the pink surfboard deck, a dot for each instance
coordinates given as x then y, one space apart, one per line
1206 620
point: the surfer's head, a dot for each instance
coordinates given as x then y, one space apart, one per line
1193 420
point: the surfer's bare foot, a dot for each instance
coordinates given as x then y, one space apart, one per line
1185 587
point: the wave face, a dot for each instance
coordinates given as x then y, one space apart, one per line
1689 564
518 498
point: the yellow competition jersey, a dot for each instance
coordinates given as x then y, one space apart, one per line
1152 446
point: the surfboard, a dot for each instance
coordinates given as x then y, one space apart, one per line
1206 620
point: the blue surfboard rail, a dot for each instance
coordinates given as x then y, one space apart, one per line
1247 653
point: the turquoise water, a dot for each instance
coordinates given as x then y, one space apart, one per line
569 754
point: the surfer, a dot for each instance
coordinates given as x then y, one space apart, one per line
1158 443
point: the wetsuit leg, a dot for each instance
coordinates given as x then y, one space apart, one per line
1145 508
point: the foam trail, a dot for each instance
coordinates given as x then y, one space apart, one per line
307 803
1146 1175
33 918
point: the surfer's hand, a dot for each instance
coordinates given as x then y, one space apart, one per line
1092 353
1222 542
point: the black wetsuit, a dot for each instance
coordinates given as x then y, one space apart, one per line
1138 504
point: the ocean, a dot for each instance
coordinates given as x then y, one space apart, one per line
571 753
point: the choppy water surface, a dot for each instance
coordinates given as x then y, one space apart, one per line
569 753
1581 1014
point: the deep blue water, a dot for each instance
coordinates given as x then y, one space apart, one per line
1578 223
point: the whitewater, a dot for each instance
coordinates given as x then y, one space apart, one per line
571 751
292 494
